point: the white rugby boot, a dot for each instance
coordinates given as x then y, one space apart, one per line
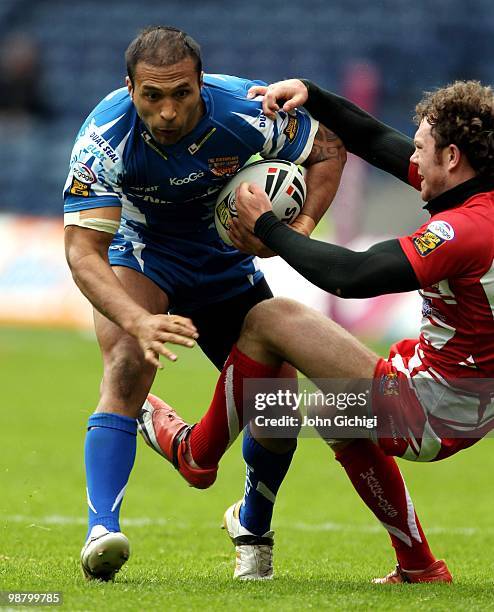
104 553
254 554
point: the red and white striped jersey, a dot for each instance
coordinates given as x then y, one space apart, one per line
453 258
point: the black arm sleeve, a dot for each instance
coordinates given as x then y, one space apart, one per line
362 134
384 268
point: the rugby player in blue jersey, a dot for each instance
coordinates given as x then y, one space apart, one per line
145 171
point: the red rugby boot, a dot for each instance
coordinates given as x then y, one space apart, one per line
166 432
437 572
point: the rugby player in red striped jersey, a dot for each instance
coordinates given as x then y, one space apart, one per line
445 404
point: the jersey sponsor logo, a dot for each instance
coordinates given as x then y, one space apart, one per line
149 199
389 385
429 310
104 146
145 188
93 150
193 176
83 173
224 166
291 129
426 307
428 242
442 229
79 189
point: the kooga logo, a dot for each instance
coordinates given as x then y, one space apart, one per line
193 176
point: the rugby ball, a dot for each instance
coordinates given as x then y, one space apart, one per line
281 180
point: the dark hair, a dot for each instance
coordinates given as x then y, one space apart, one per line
161 46
462 114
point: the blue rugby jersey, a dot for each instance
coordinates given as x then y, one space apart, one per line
167 193
171 190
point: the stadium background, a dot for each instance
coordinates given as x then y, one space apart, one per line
382 55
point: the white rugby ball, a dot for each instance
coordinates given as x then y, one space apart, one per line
282 180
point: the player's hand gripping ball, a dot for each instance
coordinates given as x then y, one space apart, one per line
281 180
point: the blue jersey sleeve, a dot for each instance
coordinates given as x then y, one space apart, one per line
290 136
96 164
293 136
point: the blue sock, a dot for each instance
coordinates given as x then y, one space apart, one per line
109 454
265 473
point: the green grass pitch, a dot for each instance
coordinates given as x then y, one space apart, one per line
328 546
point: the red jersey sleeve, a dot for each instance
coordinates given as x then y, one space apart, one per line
451 244
413 176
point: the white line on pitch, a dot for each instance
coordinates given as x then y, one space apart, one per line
56 520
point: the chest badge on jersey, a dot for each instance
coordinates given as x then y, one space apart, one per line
224 166
436 234
389 384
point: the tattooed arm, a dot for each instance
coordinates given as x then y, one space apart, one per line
324 168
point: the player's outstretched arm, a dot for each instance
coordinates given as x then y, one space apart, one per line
384 268
361 133
87 255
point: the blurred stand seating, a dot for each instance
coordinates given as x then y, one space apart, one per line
21 78
81 46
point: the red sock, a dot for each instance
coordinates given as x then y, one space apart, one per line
379 483
222 423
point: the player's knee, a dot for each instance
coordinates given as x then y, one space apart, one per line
125 372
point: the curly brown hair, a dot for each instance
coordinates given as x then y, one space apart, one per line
462 114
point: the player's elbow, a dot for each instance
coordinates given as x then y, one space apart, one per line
72 249
354 287
82 242
350 291
345 290
74 260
